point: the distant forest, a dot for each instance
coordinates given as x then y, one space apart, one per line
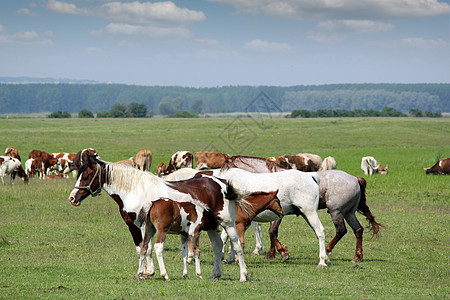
50 97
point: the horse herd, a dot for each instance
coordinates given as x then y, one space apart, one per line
233 192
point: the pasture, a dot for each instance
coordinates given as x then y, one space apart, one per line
50 249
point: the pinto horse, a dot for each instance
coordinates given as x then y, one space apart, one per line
135 191
13 167
341 193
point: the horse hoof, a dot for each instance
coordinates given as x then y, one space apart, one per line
213 276
322 265
199 276
285 257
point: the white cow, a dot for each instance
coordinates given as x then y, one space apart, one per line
13 167
370 166
329 163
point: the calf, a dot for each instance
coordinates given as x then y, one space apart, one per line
48 160
441 167
210 160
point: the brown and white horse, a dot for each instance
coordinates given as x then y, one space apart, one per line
12 166
135 191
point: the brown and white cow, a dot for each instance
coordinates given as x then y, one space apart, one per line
180 159
441 167
12 166
370 166
13 152
47 160
210 160
65 160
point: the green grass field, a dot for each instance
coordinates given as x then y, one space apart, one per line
50 249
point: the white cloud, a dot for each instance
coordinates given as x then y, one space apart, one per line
355 26
343 9
25 12
424 43
265 46
66 8
132 12
23 38
123 29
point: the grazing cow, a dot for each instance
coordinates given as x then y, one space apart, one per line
329 163
12 166
135 191
64 160
441 167
144 160
47 160
13 152
370 166
33 166
210 160
180 159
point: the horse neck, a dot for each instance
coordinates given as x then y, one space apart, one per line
259 204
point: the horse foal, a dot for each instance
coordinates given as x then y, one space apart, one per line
185 218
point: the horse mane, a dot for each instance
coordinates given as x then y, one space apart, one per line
127 178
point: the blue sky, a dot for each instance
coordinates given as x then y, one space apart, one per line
227 42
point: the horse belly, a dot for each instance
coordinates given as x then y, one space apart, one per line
266 216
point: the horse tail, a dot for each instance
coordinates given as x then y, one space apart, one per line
364 209
233 195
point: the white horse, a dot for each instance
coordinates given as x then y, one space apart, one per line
298 194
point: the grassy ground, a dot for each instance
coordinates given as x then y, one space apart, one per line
50 249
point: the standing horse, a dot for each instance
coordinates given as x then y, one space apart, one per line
134 191
144 160
298 193
260 202
342 194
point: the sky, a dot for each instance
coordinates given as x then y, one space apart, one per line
209 43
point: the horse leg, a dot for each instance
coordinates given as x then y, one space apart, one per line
159 247
313 221
195 245
358 231
142 250
190 252
236 245
149 269
184 254
274 242
216 243
341 230
258 237
224 238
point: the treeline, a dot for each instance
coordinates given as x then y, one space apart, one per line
385 112
166 100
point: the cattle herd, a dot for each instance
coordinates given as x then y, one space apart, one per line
232 191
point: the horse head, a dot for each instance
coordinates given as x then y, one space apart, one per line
89 180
